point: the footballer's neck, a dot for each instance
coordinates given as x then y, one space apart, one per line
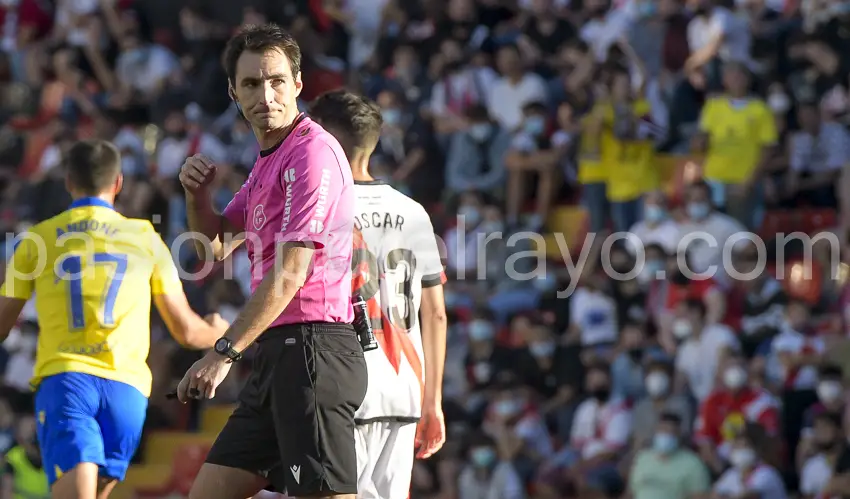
359 162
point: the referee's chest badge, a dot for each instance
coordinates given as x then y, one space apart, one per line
259 217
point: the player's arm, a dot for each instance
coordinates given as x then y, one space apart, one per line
224 231
434 325
18 283
186 326
296 247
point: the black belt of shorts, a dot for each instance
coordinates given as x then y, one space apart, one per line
318 327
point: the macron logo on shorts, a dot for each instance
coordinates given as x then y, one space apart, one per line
296 473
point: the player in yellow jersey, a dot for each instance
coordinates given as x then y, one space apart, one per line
93 272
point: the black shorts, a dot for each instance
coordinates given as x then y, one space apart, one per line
295 421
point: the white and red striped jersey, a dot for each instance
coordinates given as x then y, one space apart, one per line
395 256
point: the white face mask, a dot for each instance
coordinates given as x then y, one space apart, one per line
742 458
735 377
682 329
657 384
829 391
779 103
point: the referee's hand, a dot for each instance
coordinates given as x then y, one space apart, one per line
203 378
197 173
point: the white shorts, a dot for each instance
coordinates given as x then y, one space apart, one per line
384 460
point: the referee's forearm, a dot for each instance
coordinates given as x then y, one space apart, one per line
272 296
204 220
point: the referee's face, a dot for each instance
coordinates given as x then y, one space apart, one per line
266 88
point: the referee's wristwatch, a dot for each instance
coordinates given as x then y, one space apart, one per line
224 347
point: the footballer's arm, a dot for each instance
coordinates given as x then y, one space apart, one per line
223 234
433 326
186 326
10 309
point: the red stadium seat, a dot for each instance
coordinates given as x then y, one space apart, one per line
187 463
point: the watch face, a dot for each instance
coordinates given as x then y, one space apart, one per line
221 345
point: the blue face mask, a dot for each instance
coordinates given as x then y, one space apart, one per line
535 125
664 443
542 349
647 9
391 116
653 266
480 132
480 330
483 457
471 215
654 213
698 211
507 408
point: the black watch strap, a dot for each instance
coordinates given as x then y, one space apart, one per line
224 347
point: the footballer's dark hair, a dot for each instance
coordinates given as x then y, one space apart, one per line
258 39
354 120
92 166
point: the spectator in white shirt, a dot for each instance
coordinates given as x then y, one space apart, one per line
656 227
603 424
817 153
702 349
514 89
706 231
593 314
750 475
828 440
715 34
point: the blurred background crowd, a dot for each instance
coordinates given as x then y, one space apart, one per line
562 118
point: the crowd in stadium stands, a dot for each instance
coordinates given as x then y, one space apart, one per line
658 117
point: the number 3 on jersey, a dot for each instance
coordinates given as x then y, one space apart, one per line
398 270
72 271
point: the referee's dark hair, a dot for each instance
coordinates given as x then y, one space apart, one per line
92 166
354 120
259 39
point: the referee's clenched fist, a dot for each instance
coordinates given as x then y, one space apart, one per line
197 172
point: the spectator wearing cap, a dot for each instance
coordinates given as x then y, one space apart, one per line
827 443
668 469
728 409
661 399
737 133
702 348
657 227
831 399
514 89
476 156
488 475
750 474
818 152
531 152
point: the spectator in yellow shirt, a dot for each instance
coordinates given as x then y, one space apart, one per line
627 151
737 133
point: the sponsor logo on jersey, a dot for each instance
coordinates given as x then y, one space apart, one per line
289 180
259 217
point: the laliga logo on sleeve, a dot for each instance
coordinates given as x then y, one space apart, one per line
259 217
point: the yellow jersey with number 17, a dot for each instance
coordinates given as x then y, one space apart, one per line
93 272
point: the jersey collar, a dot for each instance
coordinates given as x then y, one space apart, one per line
91 201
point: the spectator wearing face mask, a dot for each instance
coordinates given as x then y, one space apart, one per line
750 474
704 221
660 399
514 421
827 442
792 356
537 363
763 301
666 294
475 160
728 409
668 469
462 257
831 399
485 359
531 152
627 368
738 131
486 475
24 477
656 227
702 348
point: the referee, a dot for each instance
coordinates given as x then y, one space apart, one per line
294 427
